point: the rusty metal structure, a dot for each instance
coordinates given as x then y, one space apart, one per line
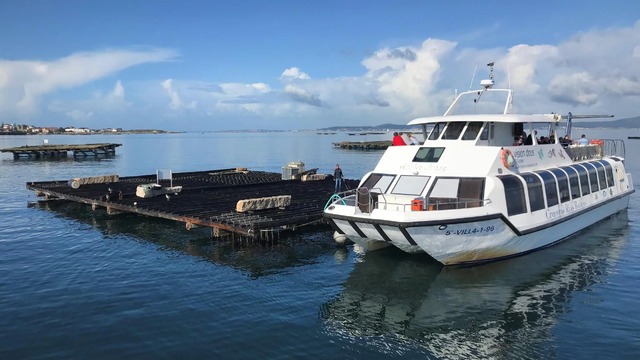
363 145
207 199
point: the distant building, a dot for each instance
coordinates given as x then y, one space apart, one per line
77 130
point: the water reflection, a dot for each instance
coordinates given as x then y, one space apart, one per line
501 309
61 158
257 259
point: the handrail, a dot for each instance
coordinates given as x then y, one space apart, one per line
462 201
334 196
361 198
614 147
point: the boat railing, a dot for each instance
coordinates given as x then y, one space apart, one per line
454 203
614 147
365 200
597 149
346 198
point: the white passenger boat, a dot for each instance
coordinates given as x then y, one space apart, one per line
470 194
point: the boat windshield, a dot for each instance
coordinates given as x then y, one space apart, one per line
378 183
473 128
428 154
453 130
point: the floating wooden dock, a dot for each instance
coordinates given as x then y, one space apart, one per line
363 145
207 199
43 151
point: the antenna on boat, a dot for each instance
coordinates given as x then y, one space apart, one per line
473 78
486 83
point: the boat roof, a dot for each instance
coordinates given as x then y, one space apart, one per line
502 118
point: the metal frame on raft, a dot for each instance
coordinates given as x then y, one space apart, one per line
208 199
44 151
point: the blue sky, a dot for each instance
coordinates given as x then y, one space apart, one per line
217 65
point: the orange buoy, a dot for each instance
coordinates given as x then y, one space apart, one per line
507 158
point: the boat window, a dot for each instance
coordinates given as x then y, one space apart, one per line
445 188
456 193
426 129
428 154
574 183
608 170
514 194
550 189
563 184
471 192
534 188
437 129
410 185
584 178
378 182
593 176
487 131
473 128
601 174
453 131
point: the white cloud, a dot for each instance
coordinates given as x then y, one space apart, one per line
301 95
176 101
118 91
592 72
410 74
23 83
294 73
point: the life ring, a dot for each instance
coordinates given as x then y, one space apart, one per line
507 158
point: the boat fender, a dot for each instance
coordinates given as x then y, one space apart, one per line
507 158
340 239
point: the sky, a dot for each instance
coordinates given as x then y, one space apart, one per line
282 64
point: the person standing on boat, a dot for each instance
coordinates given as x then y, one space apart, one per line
412 139
583 140
337 174
405 138
397 140
529 140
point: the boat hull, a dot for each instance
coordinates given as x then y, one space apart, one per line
355 234
474 240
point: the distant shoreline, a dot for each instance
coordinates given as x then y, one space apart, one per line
120 132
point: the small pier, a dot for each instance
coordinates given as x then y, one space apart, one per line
56 151
216 199
363 145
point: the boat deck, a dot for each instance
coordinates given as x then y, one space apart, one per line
207 199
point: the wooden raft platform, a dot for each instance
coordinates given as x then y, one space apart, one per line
207 199
363 145
42 151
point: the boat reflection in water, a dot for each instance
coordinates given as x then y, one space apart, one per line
501 309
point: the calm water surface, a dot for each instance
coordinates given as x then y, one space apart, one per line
75 283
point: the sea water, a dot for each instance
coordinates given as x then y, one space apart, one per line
77 283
